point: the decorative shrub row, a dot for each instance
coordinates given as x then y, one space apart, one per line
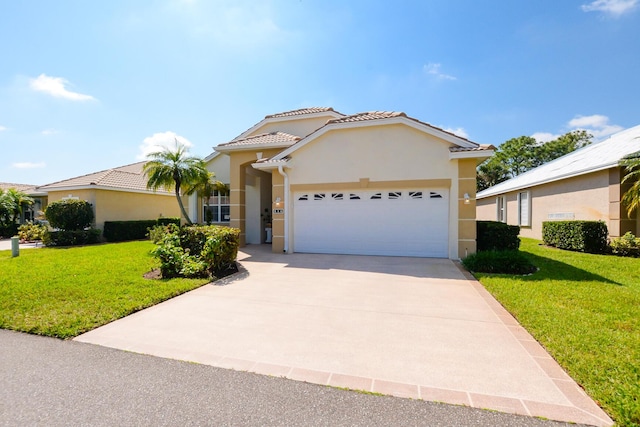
195 251
496 236
121 231
627 245
582 236
71 237
503 262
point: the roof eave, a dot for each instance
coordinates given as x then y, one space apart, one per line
477 154
46 191
252 147
488 192
270 165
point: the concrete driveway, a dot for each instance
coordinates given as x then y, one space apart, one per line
408 327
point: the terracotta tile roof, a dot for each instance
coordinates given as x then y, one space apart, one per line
300 112
19 187
377 115
128 177
368 115
279 139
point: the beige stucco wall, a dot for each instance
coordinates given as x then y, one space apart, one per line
299 127
586 197
111 205
391 156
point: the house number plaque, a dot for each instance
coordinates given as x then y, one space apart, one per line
278 211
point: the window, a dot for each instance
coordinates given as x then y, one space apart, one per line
524 209
217 208
501 209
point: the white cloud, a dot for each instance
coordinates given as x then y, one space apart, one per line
596 124
457 131
56 87
433 69
159 141
3 128
49 132
612 7
544 136
28 165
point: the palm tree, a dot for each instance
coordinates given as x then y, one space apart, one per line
631 197
12 204
174 168
206 187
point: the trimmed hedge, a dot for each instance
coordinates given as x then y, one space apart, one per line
69 214
166 220
9 230
71 237
627 245
121 231
581 236
496 236
499 262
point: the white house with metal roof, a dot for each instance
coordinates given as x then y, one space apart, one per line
582 185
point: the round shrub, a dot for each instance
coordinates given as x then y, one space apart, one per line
69 214
499 262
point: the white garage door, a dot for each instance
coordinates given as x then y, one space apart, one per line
397 223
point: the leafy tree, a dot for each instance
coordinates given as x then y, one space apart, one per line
205 188
174 168
631 197
69 214
490 173
521 154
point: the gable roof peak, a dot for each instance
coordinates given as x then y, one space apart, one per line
300 112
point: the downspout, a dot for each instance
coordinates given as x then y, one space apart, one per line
286 208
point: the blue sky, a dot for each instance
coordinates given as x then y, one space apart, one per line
88 85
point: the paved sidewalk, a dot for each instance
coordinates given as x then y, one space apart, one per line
5 245
49 382
407 327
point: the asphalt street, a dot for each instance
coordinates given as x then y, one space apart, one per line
49 382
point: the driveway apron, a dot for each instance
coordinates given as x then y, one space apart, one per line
409 327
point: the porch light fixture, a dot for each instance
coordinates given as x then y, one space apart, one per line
467 200
277 201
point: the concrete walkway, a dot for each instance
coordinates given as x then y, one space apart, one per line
5 245
407 327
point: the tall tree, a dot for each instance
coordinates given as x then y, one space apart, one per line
521 154
631 197
174 168
205 187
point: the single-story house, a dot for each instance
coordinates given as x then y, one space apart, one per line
378 183
582 185
118 194
39 200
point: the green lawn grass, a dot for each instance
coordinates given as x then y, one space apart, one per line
64 292
585 310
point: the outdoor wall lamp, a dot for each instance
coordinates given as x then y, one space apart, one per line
277 201
467 200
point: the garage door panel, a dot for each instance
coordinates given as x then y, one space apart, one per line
400 223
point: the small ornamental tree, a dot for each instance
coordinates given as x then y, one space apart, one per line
69 214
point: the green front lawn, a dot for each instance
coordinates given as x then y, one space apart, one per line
65 292
585 310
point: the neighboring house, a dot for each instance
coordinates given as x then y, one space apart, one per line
118 194
378 183
39 200
582 185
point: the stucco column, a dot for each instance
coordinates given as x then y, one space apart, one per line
466 208
277 220
237 199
